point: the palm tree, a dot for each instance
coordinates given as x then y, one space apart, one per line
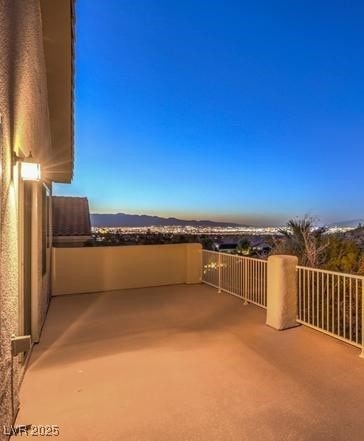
302 238
243 246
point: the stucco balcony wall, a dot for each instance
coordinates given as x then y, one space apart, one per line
95 269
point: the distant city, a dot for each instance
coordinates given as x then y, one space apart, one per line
201 230
250 241
130 229
122 223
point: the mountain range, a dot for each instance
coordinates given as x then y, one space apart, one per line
143 220
349 223
137 220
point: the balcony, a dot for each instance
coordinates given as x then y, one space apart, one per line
184 362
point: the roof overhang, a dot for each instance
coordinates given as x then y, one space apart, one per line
58 18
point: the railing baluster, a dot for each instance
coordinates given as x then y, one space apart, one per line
246 280
255 281
362 320
219 263
309 296
322 302
299 295
265 285
333 303
337 304
327 302
351 310
304 293
344 306
313 298
230 274
241 278
356 312
261 283
317 300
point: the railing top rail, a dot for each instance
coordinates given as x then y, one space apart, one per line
335 273
235 255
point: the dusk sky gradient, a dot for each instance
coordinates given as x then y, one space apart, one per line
230 110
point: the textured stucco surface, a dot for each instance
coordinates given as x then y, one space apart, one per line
24 128
94 269
282 292
184 363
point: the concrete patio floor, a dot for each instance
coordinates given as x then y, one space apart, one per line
184 363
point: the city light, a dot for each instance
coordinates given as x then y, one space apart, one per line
208 231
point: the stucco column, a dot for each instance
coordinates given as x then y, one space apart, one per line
282 292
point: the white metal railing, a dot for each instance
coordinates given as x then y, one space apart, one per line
241 276
328 301
331 302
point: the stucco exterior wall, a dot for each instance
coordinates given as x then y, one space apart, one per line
24 128
94 269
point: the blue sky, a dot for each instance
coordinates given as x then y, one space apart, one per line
231 110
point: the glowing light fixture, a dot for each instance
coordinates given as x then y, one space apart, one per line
29 168
30 171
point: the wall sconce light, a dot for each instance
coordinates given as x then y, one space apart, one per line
29 168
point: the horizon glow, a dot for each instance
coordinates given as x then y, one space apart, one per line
236 111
